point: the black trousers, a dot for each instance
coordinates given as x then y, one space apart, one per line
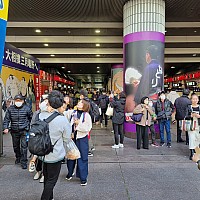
118 130
142 135
39 165
103 115
51 173
179 132
20 146
153 133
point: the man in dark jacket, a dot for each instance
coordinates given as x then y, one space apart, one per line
103 104
164 109
18 116
118 119
181 104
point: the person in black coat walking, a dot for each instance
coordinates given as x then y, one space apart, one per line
181 104
19 117
118 119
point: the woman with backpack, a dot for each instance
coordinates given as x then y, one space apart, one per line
118 119
82 126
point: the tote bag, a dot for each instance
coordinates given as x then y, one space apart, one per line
109 111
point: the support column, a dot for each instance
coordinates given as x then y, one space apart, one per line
144 37
117 78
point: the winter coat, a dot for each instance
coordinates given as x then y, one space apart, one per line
181 104
147 115
19 117
172 96
118 113
166 112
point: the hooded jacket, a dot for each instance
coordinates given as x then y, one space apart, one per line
172 96
118 113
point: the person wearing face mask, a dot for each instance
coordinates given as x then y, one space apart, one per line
19 117
142 126
164 109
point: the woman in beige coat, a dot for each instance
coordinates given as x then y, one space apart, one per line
142 126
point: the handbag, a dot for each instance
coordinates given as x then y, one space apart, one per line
137 117
187 125
109 111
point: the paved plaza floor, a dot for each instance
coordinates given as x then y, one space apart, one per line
123 174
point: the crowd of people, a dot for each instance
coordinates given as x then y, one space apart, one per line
77 112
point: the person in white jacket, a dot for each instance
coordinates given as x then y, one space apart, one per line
82 126
173 95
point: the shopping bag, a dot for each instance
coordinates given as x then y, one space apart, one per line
72 152
109 111
187 125
100 111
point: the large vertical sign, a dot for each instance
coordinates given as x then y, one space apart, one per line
3 23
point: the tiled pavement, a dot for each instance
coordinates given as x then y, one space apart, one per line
123 174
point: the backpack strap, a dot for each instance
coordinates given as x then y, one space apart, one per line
37 118
83 117
51 117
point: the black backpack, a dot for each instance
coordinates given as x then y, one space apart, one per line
94 111
39 139
103 103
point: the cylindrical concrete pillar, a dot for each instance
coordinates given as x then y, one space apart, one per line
117 78
144 37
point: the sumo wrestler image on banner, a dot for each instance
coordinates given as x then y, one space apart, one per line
117 80
143 72
12 86
23 87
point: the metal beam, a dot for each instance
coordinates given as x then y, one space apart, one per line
114 60
90 39
93 51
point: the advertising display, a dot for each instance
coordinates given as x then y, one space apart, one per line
18 75
3 23
144 68
117 78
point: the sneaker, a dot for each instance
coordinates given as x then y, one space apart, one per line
101 125
24 166
115 146
31 167
17 161
63 161
93 149
90 154
121 145
169 145
68 177
37 175
41 179
83 183
162 144
112 131
154 144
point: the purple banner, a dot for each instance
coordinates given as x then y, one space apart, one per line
147 35
18 59
117 66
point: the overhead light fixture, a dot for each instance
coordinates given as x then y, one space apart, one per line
38 31
98 67
98 45
46 45
52 55
97 55
195 31
172 67
68 71
63 67
97 31
98 71
194 54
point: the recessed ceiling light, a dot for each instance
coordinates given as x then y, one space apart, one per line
63 67
68 71
52 55
98 45
172 67
98 67
195 31
38 31
194 54
46 45
97 31
69 32
97 55
98 71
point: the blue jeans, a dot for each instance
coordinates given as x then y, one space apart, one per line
164 123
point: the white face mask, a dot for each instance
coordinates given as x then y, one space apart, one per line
162 97
18 104
151 104
43 106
